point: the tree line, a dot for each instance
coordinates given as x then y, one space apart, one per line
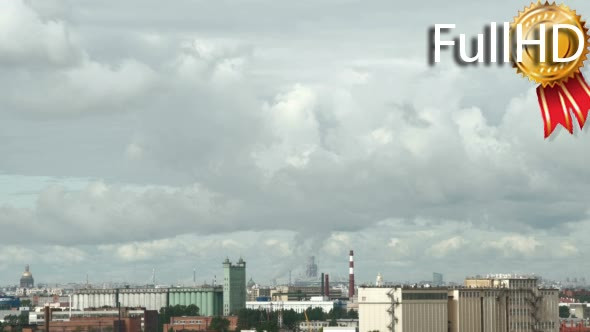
262 320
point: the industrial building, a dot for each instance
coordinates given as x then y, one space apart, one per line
104 324
298 293
499 303
196 323
148 318
9 302
298 306
234 286
209 299
402 309
316 325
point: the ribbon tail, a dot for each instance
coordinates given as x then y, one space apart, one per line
577 94
554 109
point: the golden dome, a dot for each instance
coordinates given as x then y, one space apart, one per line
27 274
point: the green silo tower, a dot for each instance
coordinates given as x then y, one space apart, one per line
234 287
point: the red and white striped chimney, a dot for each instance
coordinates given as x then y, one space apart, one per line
351 276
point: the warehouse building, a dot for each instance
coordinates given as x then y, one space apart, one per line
503 303
402 309
148 319
298 306
499 303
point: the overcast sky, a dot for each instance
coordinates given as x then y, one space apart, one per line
171 134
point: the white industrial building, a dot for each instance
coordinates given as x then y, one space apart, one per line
344 324
298 306
403 309
150 298
493 303
37 317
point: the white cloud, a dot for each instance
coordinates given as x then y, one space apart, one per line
515 244
445 247
26 39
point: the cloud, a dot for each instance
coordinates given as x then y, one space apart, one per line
26 39
444 247
515 244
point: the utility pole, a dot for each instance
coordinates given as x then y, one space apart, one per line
119 310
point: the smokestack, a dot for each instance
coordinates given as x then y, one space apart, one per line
351 276
322 290
327 286
47 312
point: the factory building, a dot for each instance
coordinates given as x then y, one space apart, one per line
298 306
9 302
403 309
128 324
234 286
148 318
196 323
298 293
503 303
208 299
499 303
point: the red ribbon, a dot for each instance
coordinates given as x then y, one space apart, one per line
557 101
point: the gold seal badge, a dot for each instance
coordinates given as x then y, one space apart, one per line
549 73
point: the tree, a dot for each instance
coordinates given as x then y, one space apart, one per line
260 320
219 324
16 322
333 322
291 319
337 313
26 303
175 311
315 314
564 311
353 314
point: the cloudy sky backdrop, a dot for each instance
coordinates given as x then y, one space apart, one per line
139 134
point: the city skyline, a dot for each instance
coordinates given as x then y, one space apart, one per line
137 134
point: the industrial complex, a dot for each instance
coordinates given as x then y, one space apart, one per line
494 303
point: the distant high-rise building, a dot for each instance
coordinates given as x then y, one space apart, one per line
234 286
437 279
311 270
379 280
27 281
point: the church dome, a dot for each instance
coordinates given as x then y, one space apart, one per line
26 280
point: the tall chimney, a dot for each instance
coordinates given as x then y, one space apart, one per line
351 276
327 286
322 290
47 312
